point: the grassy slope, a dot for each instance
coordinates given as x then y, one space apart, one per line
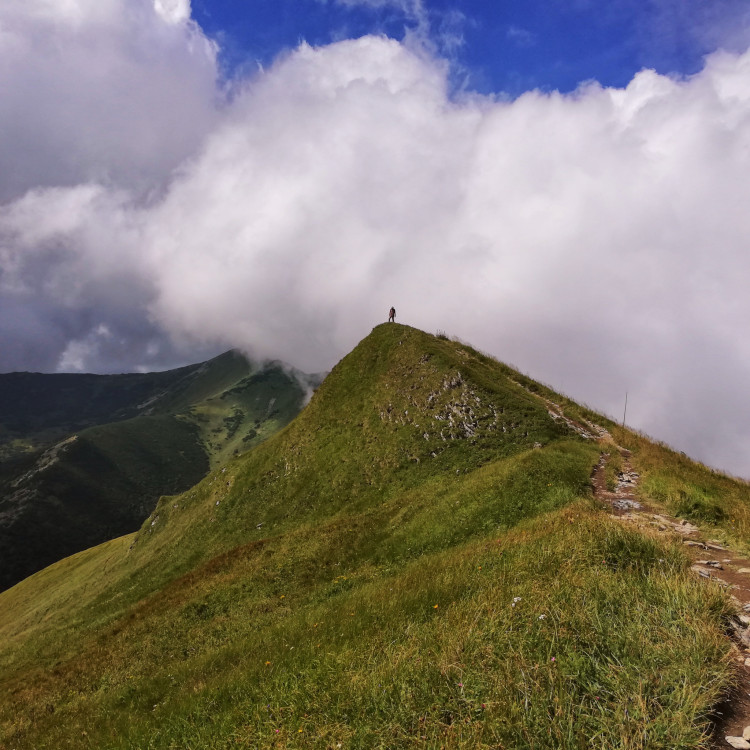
352 580
717 502
104 482
37 410
246 412
720 504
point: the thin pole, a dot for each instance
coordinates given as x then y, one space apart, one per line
626 409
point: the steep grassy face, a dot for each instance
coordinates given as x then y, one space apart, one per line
414 561
102 481
249 410
402 410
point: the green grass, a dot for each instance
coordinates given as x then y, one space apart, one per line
717 502
612 468
629 652
689 489
415 561
245 413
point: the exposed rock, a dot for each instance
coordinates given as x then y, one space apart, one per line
738 742
49 458
625 504
740 631
686 528
710 563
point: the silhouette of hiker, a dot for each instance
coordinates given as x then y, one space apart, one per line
392 315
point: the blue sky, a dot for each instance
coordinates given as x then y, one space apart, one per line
507 46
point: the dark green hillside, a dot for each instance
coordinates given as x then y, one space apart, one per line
415 561
93 487
38 409
96 483
247 410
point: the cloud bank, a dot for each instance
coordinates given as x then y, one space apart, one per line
596 240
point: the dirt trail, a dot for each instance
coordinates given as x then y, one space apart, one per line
711 561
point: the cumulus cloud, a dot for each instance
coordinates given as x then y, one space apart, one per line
95 93
102 90
173 11
437 30
595 240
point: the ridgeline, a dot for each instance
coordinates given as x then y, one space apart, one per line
416 560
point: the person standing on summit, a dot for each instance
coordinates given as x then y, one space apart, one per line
392 315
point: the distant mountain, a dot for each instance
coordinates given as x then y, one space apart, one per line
86 457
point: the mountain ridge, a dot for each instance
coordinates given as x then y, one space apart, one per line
86 457
352 581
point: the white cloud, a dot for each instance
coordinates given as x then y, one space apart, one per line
103 90
79 352
438 31
173 11
596 240
70 13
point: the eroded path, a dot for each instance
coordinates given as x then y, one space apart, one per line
711 561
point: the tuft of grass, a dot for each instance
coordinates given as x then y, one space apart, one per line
613 468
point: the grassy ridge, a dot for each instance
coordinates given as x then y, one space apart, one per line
414 561
347 451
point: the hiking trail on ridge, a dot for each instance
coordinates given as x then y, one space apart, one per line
713 561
